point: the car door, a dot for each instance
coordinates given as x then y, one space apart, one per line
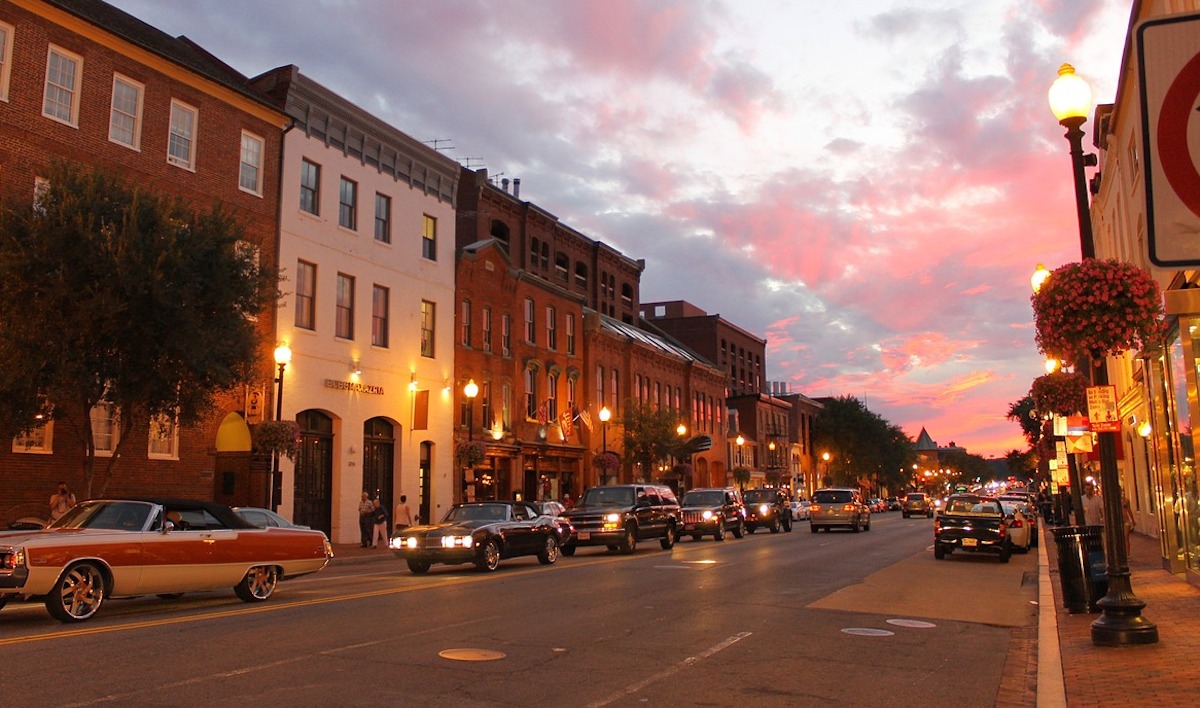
518 530
644 511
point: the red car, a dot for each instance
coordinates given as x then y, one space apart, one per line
124 548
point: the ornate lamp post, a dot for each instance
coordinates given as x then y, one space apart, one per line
1121 621
605 416
283 355
471 390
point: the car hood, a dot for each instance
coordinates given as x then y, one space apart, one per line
445 528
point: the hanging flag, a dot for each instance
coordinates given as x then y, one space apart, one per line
587 419
567 427
543 414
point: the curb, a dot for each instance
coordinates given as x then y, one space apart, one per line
1051 693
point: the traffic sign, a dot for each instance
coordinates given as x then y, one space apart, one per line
1102 409
1168 51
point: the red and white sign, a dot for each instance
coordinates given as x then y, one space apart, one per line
1102 409
1169 76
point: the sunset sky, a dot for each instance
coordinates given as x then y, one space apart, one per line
867 185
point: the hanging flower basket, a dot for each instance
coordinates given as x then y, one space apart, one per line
470 454
278 437
1060 393
606 461
1096 308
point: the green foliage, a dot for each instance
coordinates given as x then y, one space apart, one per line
112 293
1023 412
278 437
861 445
649 435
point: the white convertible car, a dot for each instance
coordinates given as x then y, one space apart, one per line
123 548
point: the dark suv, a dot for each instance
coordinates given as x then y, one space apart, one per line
619 516
713 510
767 507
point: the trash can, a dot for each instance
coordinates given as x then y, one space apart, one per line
1081 567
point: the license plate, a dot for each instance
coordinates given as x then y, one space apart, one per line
584 535
688 527
970 542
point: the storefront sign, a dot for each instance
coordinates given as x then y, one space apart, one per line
354 387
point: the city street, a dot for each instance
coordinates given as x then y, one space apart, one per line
786 619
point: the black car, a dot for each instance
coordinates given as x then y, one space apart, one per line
713 510
481 533
769 508
618 516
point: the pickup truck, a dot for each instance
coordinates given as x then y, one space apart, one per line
972 523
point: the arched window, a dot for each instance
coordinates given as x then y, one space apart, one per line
500 232
581 275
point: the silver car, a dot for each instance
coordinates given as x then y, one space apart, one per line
839 506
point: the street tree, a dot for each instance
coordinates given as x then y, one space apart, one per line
863 447
112 294
649 436
1023 412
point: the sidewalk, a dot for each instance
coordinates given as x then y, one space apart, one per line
1162 674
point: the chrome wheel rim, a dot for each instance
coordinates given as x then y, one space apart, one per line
260 581
82 591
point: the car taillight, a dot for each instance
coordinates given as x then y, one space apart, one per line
937 526
848 507
814 508
1003 530
1016 524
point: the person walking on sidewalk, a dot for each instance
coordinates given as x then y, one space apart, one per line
1093 507
1127 516
379 518
365 523
403 516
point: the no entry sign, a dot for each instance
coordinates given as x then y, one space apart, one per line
1169 76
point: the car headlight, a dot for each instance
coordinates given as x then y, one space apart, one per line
764 509
612 518
457 542
706 515
404 542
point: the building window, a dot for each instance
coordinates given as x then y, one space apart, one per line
571 398
600 386
62 86
465 320
530 327
310 187
613 391
506 335
570 334
379 316
345 307
428 314
164 438
383 218
181 146
562 266
531 405
485 406
125 119
250 177
545 255
105 428
348 204
552 396
581 276
429 238
506 406
551 327
485 330
6 35
534 247
306 295
39 440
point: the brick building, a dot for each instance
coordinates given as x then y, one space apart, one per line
85 82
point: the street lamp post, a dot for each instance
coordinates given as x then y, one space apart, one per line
681 431
605 416
1121 621
471 390
283 355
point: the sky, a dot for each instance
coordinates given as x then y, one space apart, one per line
867 185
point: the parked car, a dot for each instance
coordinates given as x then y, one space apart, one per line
877 505
481 533
111 548
620 515
917 504
800 510
893 504
554 510
265 518
839 506
767 507
1022 525
712 511
972 523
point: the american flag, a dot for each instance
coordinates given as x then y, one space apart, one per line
587 419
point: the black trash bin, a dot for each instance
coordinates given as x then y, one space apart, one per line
1081 566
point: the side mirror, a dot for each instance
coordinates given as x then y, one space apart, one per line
168 526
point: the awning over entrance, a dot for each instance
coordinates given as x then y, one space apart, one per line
233 435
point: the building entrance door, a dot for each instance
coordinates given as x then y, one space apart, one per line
379 448
312 500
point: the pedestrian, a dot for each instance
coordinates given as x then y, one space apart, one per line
379 518
1130 522
1093 508
366 525
61 502
568 502
403 516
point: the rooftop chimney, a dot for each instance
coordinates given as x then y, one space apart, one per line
517 187
504 185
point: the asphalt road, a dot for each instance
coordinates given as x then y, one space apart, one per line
798 619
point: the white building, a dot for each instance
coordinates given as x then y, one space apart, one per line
367 256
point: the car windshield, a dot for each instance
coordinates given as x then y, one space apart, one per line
973 505
833 497
705 498
916 497
109 515
478 512
755 496
601 496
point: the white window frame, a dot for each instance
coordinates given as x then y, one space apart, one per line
72 92
157 427
135 141
6 30
108 415
251 162
174 132
38 441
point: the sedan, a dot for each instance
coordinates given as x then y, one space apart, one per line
800 510
265 518
1021 525
110 548
480 533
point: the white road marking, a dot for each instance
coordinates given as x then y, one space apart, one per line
670 671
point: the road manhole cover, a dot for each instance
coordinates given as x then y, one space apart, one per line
913 624
471 654
867 632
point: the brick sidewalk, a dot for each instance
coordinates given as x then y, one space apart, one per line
1162 674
